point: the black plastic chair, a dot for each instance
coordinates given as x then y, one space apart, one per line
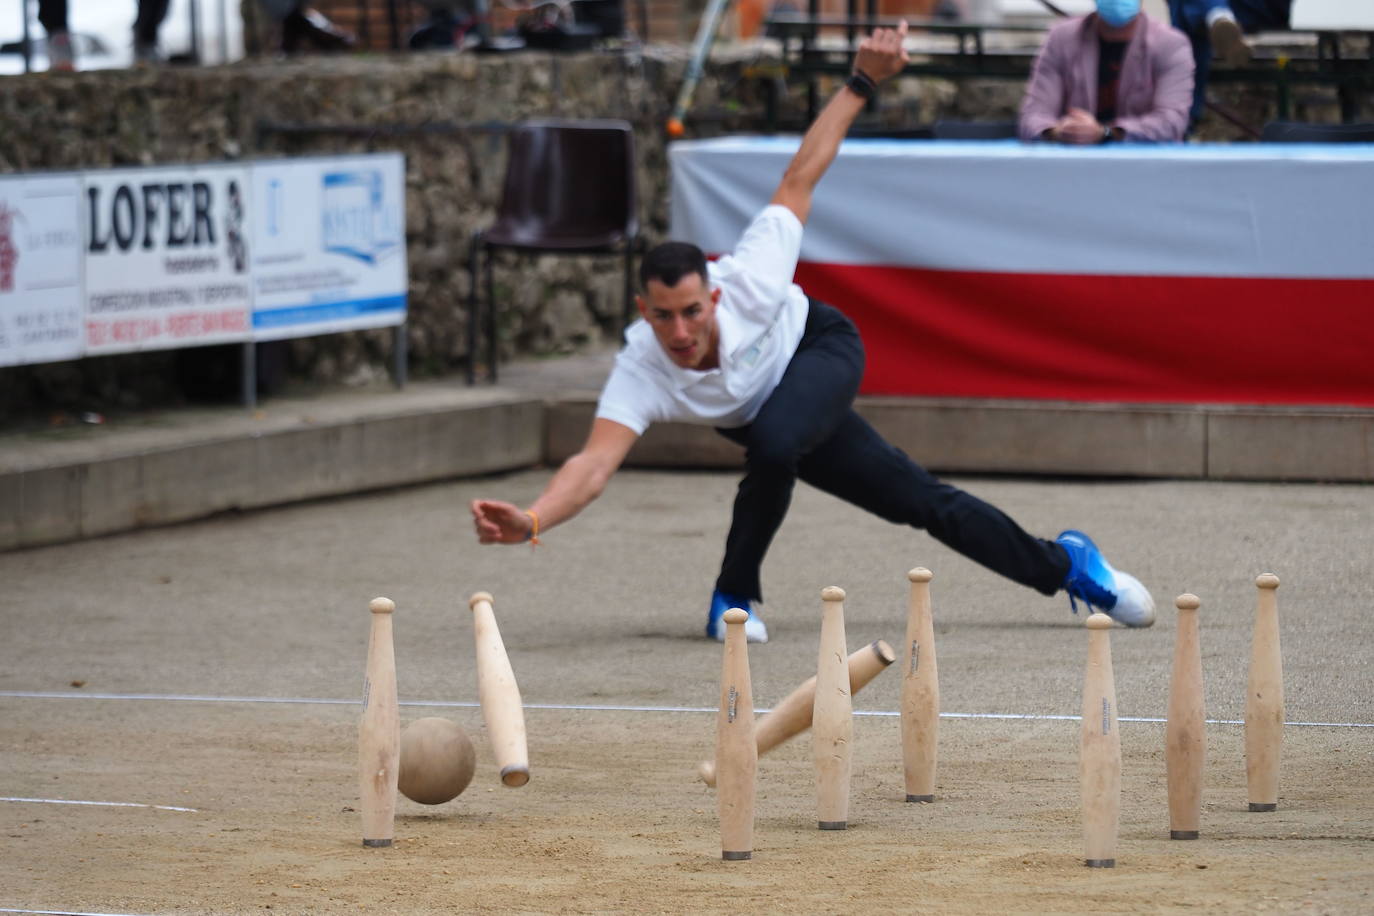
973 130
569 189
1298 132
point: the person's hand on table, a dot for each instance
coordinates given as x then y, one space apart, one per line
1077 127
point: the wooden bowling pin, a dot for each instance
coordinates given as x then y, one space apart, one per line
1264 701
920 712
792 715
499 695
736 749
379 731
1099 759
1185 736
832 722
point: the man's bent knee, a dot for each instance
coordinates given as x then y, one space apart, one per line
770 455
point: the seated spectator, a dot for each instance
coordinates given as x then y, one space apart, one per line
1112 75
53 15
304 28
1218 27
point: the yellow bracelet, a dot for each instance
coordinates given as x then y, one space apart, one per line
533 535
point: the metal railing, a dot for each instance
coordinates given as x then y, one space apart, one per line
805 54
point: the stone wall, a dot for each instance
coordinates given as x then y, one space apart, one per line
445 113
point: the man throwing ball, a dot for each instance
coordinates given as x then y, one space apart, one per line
737 345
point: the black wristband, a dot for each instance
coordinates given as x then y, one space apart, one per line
861 84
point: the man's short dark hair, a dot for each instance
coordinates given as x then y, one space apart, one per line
670 262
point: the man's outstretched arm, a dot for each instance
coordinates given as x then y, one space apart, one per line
579 481
880 56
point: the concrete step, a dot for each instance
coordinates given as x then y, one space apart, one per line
159 468
1213 442
72 484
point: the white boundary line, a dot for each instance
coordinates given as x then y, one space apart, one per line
467 704
5 909
68 801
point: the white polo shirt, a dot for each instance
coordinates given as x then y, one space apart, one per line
761 316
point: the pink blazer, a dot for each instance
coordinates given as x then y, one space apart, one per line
1156 88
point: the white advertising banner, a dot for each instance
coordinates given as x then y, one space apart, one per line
328 249
1196 210
40 269
166 257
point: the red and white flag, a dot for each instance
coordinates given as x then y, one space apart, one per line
1221 274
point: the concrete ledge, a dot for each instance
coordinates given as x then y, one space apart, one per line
116 491
1290 444
71 484
955 435
663 445
1023 437
1044 437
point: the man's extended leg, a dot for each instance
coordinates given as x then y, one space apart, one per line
813 396
859 466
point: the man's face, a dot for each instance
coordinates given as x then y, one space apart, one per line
684 320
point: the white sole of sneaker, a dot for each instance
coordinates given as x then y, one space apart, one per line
755 630
1134 606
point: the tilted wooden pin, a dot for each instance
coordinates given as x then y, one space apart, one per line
792 715
499 695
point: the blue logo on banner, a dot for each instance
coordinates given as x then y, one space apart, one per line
357 221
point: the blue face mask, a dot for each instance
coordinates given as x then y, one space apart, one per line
1118 13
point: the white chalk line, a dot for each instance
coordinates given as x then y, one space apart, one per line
5 909
586 707
105 804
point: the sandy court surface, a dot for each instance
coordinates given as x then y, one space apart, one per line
606 615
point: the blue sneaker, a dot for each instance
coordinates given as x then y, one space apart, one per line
1092 580
754 628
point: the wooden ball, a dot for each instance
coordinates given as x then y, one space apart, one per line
437 761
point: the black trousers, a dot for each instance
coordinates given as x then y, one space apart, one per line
150 16
808 429
53 16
